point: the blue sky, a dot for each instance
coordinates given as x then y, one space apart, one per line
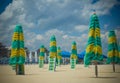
68 20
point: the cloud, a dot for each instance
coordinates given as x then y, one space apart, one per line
39 37
81 28
102 7
66 19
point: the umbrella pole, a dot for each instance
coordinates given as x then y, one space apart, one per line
16 69
113 67
20 69
96 69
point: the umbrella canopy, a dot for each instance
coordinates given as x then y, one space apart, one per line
74 51
93 49
82 54
53 48
42 52
59 56
113 51
65 54
17 50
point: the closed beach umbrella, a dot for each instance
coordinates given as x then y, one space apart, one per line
113 50
41 56
59 56
94 48
73 57
17 57
53 53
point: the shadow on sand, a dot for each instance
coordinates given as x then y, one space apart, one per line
109 72
104 77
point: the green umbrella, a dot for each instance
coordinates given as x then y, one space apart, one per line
73 57
17 57
94 48
41 57
113 51
53 53
59 56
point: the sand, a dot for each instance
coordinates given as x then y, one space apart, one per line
63 74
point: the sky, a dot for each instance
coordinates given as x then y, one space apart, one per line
68 20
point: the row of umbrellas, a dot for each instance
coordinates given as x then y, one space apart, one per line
93 50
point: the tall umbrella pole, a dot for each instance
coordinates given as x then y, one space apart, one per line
52 54
17 57
94 48
73 57
113 51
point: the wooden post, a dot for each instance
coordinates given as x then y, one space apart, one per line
96 67
113 67
96 70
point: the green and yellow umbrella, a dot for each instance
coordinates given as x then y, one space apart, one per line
53 47
59 56
73 57
113 51
74 51
41 56
94 48
17 57
53 53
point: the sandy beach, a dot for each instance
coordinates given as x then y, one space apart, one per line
63 74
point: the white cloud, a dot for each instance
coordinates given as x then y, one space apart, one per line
39 37
81 28
65 36
102 7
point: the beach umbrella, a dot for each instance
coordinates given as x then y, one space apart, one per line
52 54
59 56
73 57
41 56
17 57
94 48
113 51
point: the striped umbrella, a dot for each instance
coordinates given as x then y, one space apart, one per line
94 48
59 56
113 51
41 56
17 57
53 53
73 56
